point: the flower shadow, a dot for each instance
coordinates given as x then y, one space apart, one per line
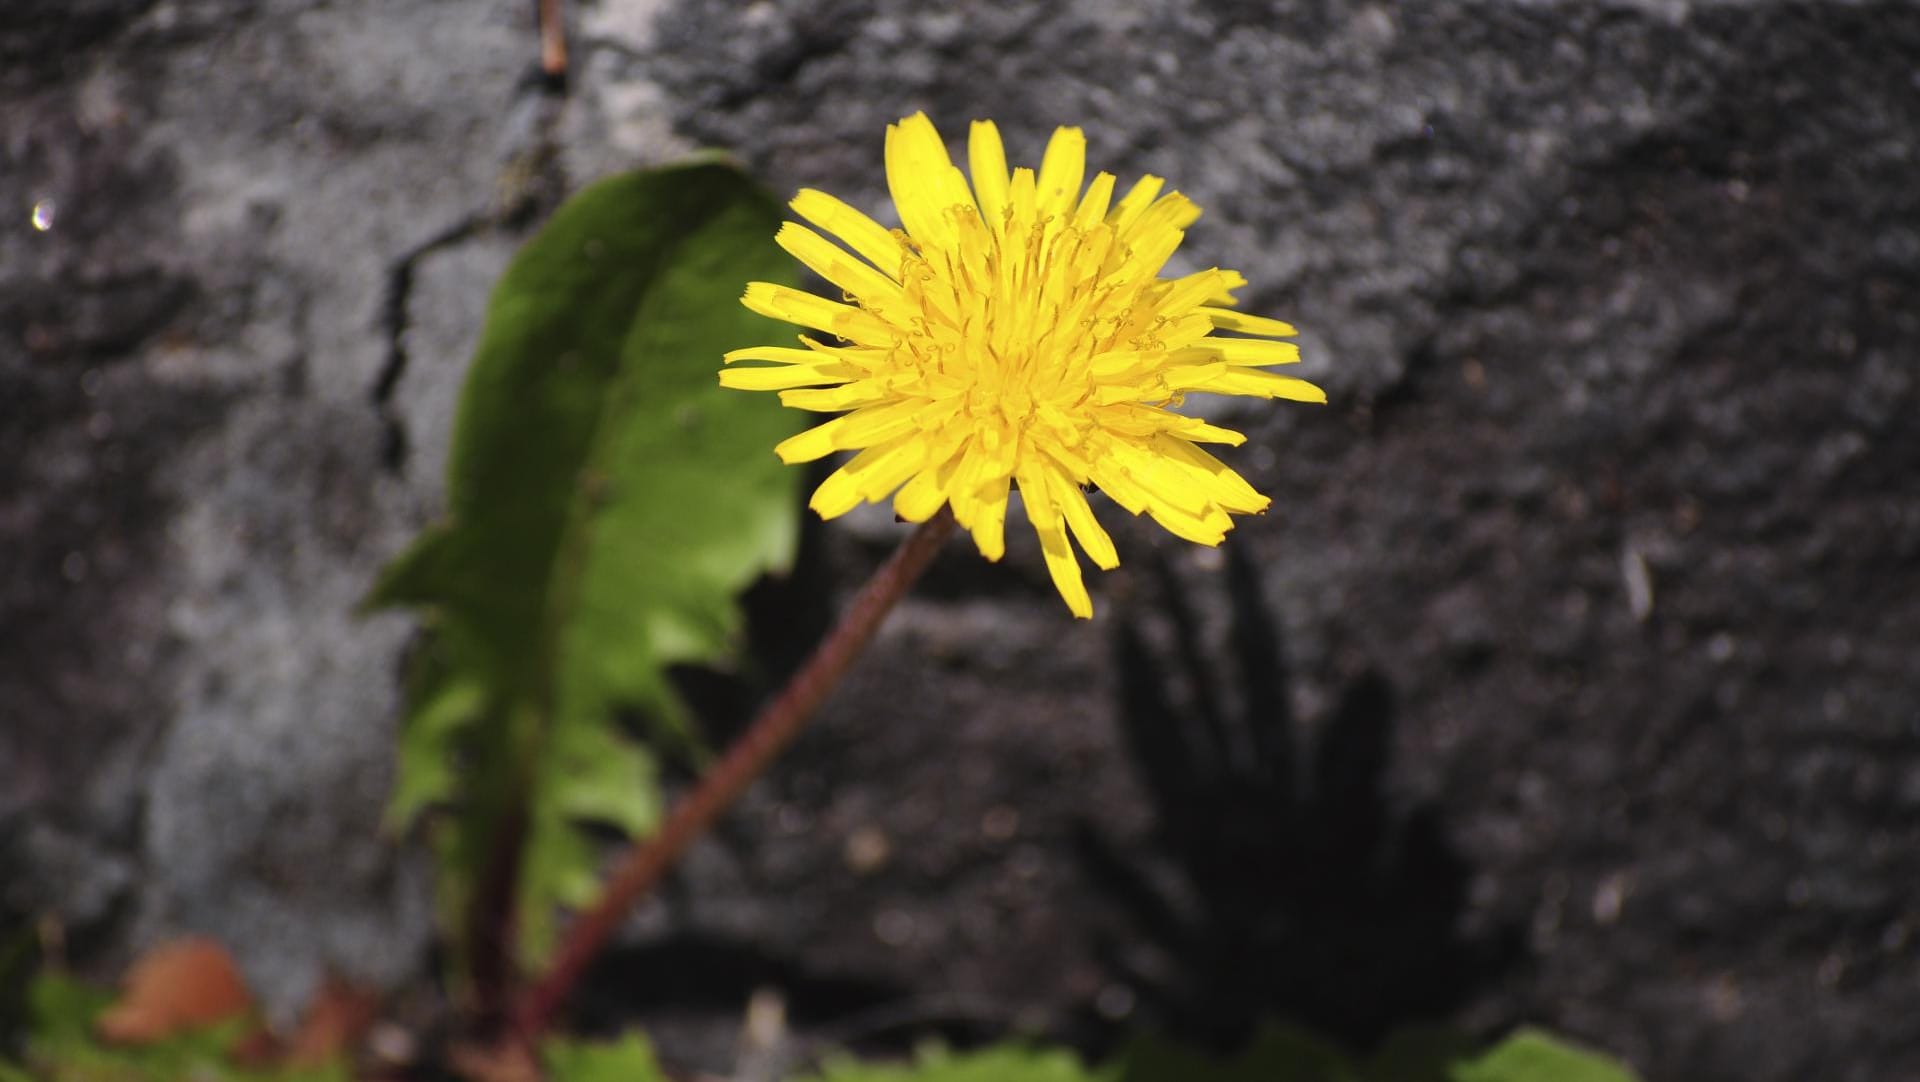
1284 881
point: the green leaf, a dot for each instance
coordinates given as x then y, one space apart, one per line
607 501
61 1010
1277 1054
629 1059
1534 1056
1003 1063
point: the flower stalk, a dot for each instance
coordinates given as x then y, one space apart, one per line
776 726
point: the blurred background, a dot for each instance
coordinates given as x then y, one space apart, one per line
1572 678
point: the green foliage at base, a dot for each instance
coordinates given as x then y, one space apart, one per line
629 1059
1277 1054
1535 1056
1005 1063
62 1046
607 501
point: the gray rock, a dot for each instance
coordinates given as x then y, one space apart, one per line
198 485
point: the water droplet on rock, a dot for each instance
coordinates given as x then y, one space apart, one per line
867 850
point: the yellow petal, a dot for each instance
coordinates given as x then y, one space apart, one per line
869 475
1239 322
782 354
864 235
1165 481
1120 485
1188 292
1247 351
837 495
1135 202
921 496
1225 297
1208 527
1093 206
987 161
1215 478
865 392
990 519
1062 170
1020 200
1046 517
796 306
922 180
785 376
814 443
831 262
882 469
1198 431
1142 420
811 444
1086 529
877 424
1064 569
1252 381
1171 212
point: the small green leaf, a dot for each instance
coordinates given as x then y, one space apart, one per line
61 1010
1003 1063
1535 1056
607 501
629 1059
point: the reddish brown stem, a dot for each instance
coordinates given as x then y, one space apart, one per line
776 726
493 914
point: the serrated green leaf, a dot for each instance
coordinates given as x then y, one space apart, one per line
428 774
607 501
1002 1063
1535 1056
1277 1054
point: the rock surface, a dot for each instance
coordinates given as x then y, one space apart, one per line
1611 535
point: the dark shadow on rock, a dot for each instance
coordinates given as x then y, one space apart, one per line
708 973
1297 891
786 615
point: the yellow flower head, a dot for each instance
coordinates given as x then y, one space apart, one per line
1016 332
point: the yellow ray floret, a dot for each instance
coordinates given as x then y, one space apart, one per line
1016 335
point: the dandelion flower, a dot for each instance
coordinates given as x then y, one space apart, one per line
1016 333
